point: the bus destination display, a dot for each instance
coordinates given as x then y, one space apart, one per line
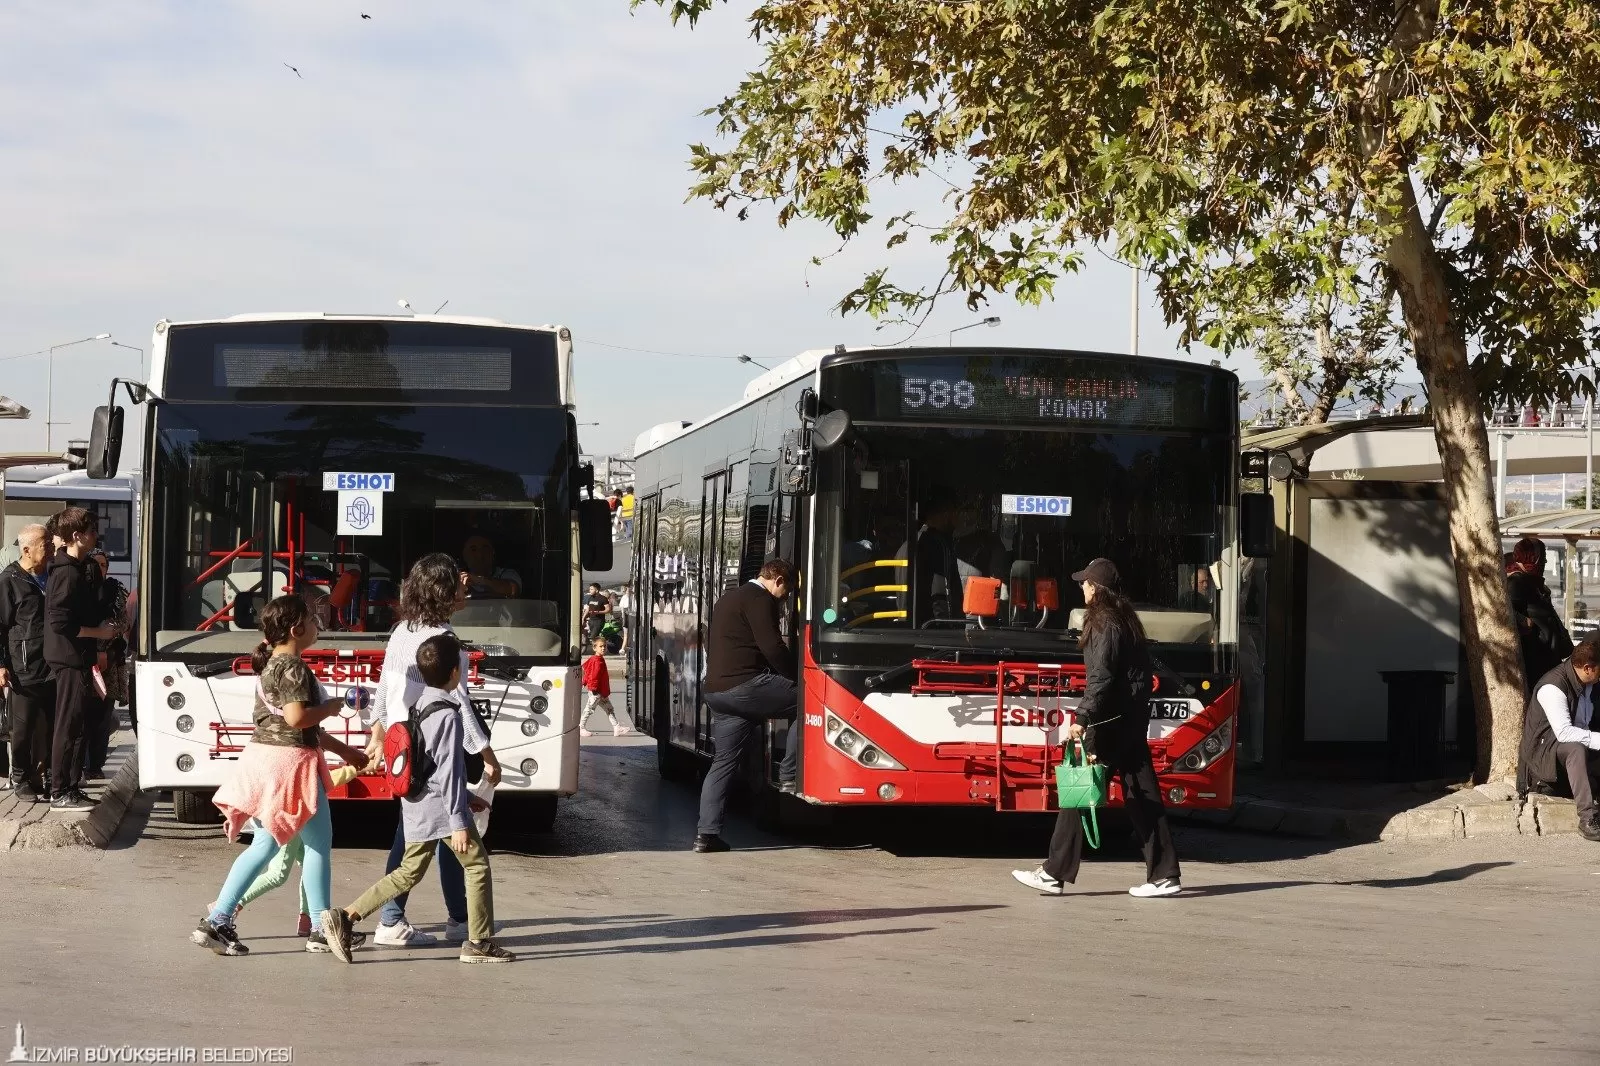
1002 389
1083 397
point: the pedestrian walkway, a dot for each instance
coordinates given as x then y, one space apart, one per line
25 824
1366 811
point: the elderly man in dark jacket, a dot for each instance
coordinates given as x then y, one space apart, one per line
23 673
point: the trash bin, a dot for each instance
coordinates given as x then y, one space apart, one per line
1416 723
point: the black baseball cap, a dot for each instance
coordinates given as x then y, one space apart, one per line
1102 572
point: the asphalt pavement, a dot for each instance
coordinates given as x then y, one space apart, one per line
879 939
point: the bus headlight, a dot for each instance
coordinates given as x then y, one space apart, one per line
176 701
184 723
856 746
530 726
1211 748
186 762
538 705
529 767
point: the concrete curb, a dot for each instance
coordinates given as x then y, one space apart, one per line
95 829
1468 813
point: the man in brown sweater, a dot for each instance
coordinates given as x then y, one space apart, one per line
749 680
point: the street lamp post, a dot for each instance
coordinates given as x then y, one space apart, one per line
991 321
50 384
131 348
746 359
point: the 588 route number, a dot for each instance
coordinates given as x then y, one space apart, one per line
937 393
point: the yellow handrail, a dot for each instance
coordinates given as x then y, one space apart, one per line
871 589
873 616
859 567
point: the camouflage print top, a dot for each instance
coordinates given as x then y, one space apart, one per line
285 679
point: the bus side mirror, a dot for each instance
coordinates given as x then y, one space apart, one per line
829 430
594 535
105 443
1257 532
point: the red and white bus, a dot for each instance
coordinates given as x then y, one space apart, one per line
324 454
1028 464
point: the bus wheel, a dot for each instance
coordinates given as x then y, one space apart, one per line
523 814
192 807
672 763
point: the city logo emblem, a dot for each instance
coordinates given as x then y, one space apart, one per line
19 1051
360 513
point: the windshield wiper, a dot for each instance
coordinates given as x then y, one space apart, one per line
221 666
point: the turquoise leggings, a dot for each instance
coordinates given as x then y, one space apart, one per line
316 870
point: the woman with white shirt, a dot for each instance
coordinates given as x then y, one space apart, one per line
433 591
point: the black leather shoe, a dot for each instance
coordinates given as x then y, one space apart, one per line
706 843
1589 828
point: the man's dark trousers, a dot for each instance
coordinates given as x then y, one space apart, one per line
77 705
33 712
1581 763
738 715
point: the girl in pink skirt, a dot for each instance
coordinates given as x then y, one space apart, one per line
281 779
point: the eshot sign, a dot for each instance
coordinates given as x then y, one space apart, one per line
1053 506
360 510
356 481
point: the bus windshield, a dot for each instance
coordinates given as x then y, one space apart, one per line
1022 465
240 513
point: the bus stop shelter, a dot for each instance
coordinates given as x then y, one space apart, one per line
1362 583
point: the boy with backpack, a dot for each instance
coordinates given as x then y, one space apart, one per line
428 767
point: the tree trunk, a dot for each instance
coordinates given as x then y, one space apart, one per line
1294 408
1494 662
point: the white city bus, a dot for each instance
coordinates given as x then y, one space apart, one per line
324 454
115 502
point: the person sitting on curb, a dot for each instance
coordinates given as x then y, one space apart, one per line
1557 737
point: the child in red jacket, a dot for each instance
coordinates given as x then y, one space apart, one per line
597 682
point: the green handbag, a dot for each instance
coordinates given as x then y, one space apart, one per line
1082 784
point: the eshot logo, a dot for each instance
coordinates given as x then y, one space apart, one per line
360 512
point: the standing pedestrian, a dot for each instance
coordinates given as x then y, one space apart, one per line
23 672
1112 722
112 659
625 511
596 607
597 684
440 815
749 681
281 780
73 623
433 591
1541 637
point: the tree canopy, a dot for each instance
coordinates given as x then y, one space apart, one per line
1420 176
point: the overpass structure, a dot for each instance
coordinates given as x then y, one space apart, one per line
1402 449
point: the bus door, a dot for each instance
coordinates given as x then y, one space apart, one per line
642 623
708 588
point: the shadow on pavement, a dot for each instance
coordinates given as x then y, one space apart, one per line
1439 877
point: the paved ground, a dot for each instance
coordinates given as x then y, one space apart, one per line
884 941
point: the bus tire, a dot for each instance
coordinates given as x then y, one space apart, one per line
194 807
522 814
672 762
537 814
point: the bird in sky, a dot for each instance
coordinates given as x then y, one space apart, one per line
365 15
297 73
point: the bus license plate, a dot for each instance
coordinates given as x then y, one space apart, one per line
1170 710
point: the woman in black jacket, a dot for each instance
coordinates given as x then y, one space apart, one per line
1112 721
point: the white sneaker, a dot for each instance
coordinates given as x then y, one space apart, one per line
585 733
456 932
621 731
403 935
1167 886
1041 881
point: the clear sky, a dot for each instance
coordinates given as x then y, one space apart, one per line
522 160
